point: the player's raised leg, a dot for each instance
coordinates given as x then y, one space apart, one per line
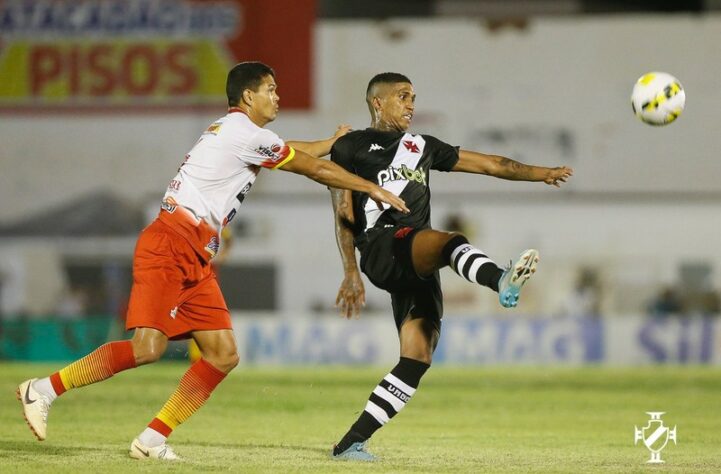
434 249
37 395
220 356
418 338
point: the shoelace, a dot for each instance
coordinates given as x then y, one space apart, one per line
167 451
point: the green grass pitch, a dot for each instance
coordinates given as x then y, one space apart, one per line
461 420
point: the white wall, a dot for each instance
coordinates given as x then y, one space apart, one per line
571 74
642 200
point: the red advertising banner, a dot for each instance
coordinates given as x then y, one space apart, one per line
113 55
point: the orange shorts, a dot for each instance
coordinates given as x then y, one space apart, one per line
174 290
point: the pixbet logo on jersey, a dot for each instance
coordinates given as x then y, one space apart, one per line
402 173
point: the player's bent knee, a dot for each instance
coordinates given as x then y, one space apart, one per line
148 345
233 361
425 357
421 354
223 362
148 355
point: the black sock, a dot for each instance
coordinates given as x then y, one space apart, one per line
388 398
471 263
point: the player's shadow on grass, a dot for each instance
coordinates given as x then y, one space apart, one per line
265 446
33 447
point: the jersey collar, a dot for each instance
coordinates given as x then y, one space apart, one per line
232 110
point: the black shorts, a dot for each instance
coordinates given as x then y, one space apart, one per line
386 261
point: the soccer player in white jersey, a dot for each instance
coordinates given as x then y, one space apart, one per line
175 294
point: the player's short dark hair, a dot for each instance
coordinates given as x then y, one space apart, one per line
245 75
386 78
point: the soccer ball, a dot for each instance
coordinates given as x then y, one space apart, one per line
658 98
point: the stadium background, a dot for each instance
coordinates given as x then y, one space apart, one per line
99 103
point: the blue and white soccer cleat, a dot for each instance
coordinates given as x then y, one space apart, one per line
515 276
356 452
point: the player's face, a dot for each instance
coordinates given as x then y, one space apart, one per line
397 106
265 99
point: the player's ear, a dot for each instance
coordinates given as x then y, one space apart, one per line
377 103
248 96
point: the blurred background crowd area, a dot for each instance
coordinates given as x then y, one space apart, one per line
100 100
75 277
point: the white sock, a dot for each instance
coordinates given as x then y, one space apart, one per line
45 387
151 438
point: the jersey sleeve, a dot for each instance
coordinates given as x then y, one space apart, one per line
341 153
268 150
444 156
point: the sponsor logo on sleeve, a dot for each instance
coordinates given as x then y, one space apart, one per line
214 128
272 152
275 155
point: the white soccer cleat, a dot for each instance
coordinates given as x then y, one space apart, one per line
515 276
35 408
164 452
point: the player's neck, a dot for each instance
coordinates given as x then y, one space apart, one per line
254 117
385 127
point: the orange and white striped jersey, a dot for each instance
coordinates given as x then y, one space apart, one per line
216 175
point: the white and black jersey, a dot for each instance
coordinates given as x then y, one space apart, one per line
398 162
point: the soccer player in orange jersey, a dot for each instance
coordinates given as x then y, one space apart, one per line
175 294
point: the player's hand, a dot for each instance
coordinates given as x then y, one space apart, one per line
558 175
351 296
380 196
342 130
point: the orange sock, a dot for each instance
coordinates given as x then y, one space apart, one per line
195 388
104 362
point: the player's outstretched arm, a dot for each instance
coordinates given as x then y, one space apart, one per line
506 168
351 294
330 174
320 148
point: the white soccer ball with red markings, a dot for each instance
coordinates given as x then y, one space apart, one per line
658 98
